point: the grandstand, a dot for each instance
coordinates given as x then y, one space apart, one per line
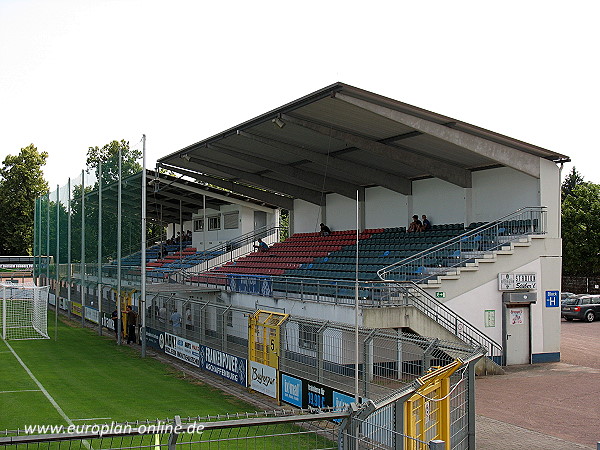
489 268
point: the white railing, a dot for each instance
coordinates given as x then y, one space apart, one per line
446 258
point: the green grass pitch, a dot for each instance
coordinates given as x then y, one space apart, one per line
91 377
94 381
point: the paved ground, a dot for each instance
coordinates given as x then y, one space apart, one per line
545 406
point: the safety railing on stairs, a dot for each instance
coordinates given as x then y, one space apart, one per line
448 257
409 294
368 295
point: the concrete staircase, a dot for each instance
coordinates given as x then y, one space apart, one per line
486 266
480 258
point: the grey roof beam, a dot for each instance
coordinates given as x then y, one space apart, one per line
247 191
303 177
365 174
505 155
293 190
229 199
168 204
431 166
195 201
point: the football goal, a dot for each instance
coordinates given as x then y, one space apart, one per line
24 311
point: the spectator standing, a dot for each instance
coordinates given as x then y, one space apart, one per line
115 318
176 322
131 323
189 324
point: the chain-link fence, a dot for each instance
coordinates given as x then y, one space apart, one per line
317 369
85 227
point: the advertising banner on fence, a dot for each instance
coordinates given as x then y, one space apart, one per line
182 349
154 339
251 284
263 379
228 366
304 394
223 364
76 308
91 314
291 390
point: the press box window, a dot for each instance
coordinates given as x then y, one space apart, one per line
199 225
231 220
307 336
214 223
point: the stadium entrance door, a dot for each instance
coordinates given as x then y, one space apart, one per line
516 325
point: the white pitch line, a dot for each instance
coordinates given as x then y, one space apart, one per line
44 391
22 390
40 385
92 418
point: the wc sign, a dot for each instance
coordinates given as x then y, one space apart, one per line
552 299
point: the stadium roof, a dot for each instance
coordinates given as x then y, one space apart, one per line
170 198
340 139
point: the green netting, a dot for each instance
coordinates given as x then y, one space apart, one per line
81 224
63 232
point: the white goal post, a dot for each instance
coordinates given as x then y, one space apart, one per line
24 310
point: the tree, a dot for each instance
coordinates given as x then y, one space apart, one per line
581 230
572 180
108 155
21 182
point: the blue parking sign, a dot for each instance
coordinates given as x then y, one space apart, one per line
552 299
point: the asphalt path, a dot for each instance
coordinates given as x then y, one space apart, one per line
559 400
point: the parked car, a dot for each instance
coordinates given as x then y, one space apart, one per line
585 307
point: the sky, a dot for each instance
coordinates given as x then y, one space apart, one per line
81 73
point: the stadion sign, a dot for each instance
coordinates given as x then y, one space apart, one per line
223 364
515 281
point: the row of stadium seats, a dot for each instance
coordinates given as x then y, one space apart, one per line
310 255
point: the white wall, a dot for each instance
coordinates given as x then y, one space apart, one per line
550 195
341 212
500 191
440 201
215 237
306 216
495 192
385 208
544 321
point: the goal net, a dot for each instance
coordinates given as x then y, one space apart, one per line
24 311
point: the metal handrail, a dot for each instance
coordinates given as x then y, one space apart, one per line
479 242
447 318
370 294
231 250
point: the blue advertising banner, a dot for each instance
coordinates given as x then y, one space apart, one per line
304 393
227 366
251 284
154 339
291 390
